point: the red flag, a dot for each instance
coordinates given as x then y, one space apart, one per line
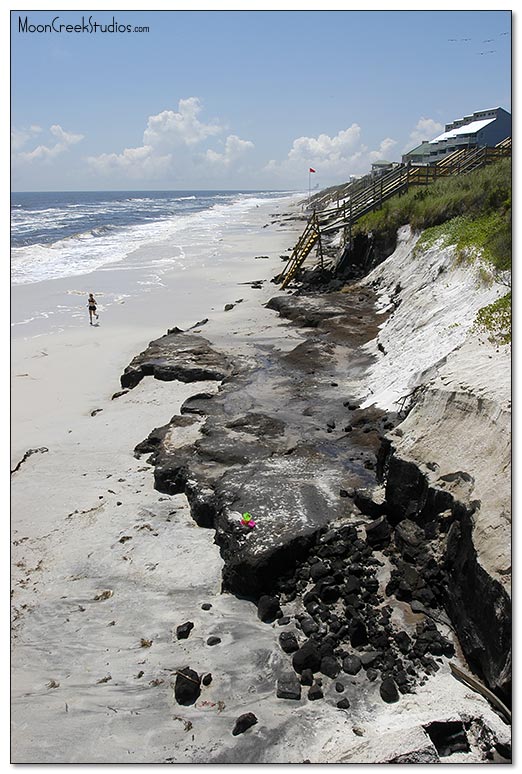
311 170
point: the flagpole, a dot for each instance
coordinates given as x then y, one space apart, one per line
311 170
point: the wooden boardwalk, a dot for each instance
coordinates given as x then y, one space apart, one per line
363 196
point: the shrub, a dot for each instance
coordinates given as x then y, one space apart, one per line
495 319
477 205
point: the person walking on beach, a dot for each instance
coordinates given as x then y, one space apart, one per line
92 307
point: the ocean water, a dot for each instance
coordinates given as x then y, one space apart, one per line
136 250
57 235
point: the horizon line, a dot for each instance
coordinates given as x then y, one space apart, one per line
161 190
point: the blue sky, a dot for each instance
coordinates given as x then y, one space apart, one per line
231 99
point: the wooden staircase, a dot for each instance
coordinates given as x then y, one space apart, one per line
306 242
361 198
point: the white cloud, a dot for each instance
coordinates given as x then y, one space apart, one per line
325 148
63 137
333 158
385 148
132 162
184 127
425 129
169 142
235 149
19 138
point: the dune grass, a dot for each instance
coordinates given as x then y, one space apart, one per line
472 211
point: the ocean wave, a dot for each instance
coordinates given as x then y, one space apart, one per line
110 244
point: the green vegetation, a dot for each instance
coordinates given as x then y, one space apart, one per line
488 236
472 211
495 319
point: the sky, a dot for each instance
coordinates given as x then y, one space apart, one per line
241 99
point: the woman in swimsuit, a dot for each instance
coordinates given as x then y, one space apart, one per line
92 307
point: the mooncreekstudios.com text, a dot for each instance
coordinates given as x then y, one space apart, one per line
88 26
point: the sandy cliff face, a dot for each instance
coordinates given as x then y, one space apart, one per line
449 460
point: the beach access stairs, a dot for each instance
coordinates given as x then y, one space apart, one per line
362 196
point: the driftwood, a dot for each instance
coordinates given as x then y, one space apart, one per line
40 450
476 685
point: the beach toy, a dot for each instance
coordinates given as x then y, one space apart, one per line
247 521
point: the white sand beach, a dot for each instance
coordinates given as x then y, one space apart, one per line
82 491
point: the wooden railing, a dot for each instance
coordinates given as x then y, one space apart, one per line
363 196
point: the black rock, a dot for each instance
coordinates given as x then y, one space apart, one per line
352 585
352 665
403 641
378 532
187 687
288 642
388 691
309 626
436 648
408 533
244 722
339 687
268 609
328 645
430 666
207 679
288 687
323 613
213 641
369 658
371 585
206 606
315 692
358 633
372 674
330 667
343 704
381 641
177 356
327 580
318 570
344 633
183 630
307 657
330 594
283 621
401 677
307 677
